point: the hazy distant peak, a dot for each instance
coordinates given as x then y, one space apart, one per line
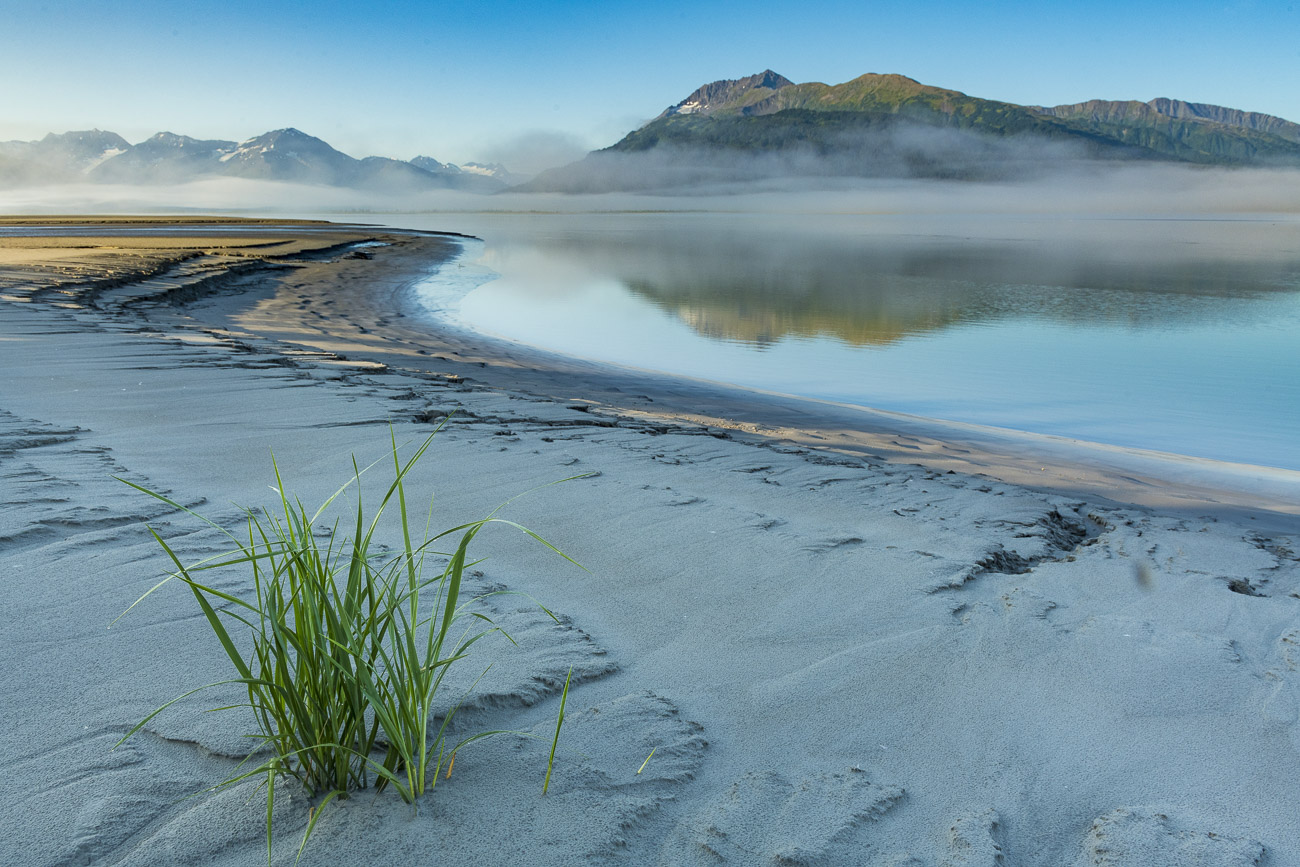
482 177
85 138
429 164
487 169
82 145
78 152
288 135
730 94
163 140
286 154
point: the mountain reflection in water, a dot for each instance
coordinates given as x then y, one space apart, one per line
760 288
1174 335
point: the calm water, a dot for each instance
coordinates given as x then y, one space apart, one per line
1176 335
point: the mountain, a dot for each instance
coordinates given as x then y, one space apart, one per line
1176 108
730 95
163 158
474 177
59 157
80 151
494 171
293 156
765 126
429 164
1194 132
287 155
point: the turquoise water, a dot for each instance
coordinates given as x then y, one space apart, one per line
1178 335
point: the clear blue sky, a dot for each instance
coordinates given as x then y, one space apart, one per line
461 81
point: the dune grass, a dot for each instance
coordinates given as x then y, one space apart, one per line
343 650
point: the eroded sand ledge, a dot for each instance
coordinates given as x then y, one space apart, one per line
837 659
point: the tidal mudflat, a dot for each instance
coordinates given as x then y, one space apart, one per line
839 637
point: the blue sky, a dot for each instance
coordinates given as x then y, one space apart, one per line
532 81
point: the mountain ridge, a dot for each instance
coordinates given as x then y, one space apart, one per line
890 125
769 92
718 94
286 154
1182 110
731 130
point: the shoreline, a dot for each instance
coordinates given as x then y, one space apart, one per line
832 658
1043 462
1039 461
1122 474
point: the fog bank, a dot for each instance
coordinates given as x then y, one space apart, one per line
1083 191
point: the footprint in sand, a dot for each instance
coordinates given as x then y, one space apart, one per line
764 818
1146 837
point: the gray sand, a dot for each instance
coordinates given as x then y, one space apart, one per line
836 658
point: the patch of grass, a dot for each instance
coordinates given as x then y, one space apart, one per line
345 650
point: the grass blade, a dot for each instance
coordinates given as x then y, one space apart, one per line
559 723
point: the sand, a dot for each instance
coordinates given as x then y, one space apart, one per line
849 638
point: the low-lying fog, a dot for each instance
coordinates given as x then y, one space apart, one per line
1155 306
1081 190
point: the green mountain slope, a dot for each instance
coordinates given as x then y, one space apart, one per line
891 125
763 117
1187 131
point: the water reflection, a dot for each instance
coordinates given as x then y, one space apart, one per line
758 288
1179 336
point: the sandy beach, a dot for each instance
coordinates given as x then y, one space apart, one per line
840 636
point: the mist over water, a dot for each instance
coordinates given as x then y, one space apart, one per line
1073 189
1151 306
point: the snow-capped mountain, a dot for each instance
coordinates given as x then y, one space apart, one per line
289 155
59 157
429 164
478 177
495 171
162 158
280 155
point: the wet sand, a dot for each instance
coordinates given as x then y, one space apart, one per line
849 638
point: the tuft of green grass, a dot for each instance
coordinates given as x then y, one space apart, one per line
345 651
